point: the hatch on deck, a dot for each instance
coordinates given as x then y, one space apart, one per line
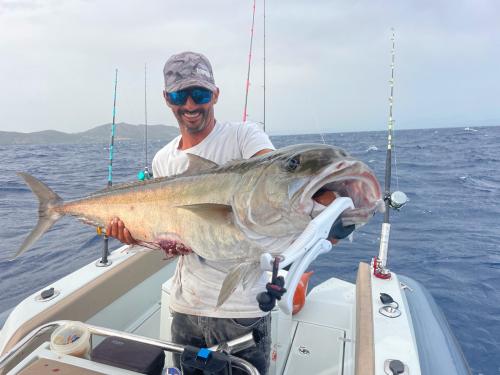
307 357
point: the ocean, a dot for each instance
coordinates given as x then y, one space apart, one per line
447 236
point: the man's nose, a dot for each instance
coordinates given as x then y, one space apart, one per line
190 104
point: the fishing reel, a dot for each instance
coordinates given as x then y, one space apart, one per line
274 290
144 175
397 200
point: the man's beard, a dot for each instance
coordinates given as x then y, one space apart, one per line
189 126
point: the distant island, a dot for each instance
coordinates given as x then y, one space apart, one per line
98 134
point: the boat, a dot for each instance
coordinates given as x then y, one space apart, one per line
388 325
112 317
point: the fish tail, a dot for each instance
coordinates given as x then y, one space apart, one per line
47 216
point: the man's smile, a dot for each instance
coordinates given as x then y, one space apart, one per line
192 115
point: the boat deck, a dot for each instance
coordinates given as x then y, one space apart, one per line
149 325
324 337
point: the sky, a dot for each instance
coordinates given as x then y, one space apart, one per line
327 62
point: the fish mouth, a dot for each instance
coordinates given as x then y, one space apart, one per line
345 178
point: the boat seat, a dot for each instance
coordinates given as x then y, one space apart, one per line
365 355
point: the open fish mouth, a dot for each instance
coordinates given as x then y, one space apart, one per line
345 178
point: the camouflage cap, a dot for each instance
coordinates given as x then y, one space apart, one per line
188 69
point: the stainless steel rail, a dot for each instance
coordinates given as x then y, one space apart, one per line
231 346
236 345
40 330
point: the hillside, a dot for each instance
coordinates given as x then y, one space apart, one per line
97 134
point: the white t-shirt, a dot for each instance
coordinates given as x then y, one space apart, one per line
196 283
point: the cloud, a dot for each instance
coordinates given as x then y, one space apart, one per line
327 61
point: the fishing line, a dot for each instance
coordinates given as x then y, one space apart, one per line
315 119
396 166
391 101
322 138
390 124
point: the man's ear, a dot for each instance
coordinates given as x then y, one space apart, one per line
216 95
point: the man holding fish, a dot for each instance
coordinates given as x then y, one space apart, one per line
191 94
228 199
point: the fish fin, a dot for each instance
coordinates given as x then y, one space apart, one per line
242 273
46 214
149 245
215 213
124 186
140 247
198 163
252 276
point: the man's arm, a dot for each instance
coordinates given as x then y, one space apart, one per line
262 152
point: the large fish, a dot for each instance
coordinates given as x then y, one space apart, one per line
235 211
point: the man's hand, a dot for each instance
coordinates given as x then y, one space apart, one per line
117 229
262 152
325 198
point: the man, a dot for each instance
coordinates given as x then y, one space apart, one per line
191 94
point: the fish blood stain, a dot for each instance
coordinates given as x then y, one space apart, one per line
172 247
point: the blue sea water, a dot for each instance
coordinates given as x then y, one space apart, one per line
447 237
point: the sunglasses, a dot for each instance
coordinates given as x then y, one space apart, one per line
199 95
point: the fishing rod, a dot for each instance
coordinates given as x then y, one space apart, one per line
112 141
249 64
104 261
397 199
145 174
264 119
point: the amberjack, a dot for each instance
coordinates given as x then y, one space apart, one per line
235 211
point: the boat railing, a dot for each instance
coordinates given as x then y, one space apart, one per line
306 248
229 347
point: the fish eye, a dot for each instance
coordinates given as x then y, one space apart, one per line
292 164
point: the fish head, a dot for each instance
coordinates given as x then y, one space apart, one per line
277 197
